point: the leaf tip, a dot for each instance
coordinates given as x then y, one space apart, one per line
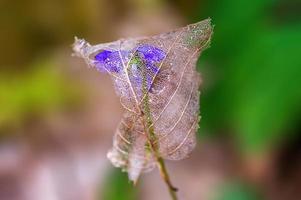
80 47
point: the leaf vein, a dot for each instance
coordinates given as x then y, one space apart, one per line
184 140
174 93
180 117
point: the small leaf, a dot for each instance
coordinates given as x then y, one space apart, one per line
156 80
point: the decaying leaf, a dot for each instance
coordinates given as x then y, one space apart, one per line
156 80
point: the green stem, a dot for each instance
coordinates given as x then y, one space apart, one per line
164 174
152 137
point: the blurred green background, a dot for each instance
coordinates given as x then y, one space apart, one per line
250 102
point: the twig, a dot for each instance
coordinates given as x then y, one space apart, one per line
151 137
164 174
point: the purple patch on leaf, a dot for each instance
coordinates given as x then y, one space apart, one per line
151 53
151 56
111 60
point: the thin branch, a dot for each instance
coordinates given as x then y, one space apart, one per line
164 174
151 137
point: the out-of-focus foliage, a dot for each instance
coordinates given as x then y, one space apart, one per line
38 91
35 27
236 191
117 186
255 62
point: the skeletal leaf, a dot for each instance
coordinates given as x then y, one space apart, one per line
156 80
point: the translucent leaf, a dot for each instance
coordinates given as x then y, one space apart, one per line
156 80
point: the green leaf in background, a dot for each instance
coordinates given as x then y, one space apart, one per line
265 89
117 187
235 191
238 24
39 91
255 72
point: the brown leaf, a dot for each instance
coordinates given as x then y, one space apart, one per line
157 82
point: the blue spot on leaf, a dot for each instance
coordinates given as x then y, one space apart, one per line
110 60
149 57
151 53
